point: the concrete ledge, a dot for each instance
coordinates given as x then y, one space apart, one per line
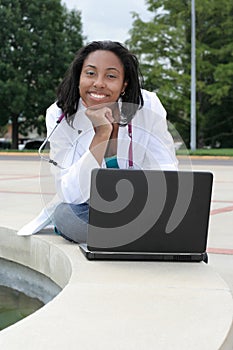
118 305
37 253
31 282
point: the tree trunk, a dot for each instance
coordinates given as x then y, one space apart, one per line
15 132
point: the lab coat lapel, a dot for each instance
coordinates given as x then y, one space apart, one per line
84 129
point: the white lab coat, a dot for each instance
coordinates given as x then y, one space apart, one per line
152 144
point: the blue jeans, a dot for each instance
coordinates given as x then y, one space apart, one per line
71 221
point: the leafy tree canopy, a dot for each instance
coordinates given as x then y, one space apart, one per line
38 40
164 48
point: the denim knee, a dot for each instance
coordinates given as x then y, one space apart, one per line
71 221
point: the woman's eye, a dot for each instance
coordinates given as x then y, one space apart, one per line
90 72
112 76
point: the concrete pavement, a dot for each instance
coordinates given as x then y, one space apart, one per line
26 186
22 182
220 241
24 177
21 189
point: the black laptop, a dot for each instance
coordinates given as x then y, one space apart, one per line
148 215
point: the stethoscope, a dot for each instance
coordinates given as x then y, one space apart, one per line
49 160
47 140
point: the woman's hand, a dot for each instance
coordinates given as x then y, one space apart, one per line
102 120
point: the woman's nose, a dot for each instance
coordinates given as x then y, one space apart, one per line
99 82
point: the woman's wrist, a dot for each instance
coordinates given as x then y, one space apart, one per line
104 131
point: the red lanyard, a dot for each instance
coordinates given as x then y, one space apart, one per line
130 156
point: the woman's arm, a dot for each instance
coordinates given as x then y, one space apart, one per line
77 154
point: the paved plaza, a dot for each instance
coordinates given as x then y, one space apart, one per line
178 305
26 186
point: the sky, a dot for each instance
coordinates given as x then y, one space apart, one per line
106 19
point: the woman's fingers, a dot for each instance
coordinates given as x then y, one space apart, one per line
100 116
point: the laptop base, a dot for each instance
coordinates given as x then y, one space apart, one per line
143 256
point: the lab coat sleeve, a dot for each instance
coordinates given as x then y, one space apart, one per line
74 160
161 146
161 149
73 183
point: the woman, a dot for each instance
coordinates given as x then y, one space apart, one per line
108 119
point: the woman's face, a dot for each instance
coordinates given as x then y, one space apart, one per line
101 79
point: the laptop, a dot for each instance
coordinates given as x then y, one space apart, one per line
148 215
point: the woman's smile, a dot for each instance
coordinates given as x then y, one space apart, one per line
98 96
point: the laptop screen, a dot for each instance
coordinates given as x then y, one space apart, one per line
149 210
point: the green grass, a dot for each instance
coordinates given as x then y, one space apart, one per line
18 151
221 152
224 152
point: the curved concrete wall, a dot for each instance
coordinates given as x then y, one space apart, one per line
23 279
38 254
118 305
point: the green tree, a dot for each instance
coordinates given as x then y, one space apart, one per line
215 72
38 39
164 48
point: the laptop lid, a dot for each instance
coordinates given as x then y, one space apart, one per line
149 211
